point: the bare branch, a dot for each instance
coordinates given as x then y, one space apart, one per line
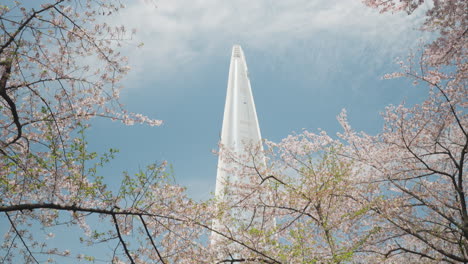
21 238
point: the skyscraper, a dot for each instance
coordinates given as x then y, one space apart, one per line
240 152
240 124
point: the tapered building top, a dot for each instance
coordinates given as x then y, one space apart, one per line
240 151
240 123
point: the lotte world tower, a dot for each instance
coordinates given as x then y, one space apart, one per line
240 158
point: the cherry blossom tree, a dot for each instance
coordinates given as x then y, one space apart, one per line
397 197
320 218
448 19
60 66
303 206
418 162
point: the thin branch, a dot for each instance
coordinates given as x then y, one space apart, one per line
151 239
25 23
9 248
234 260
76 208
21 238
3 82
121 239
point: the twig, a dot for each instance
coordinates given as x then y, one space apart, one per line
151 239
121 239
21 238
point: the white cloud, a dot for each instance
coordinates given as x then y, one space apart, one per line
177 32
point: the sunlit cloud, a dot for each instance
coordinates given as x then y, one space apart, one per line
175 32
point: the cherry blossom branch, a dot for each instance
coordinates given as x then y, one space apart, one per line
9 248
86 34
121 239
135 212
452 108
400 248
239 242
7 98
151 239
42 81
21 237
234 260
428 205
53 118
77 208
427 242
442 58
25 23
460 183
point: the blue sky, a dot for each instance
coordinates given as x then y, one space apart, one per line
307 61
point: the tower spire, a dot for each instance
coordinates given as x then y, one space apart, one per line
240 123
240 152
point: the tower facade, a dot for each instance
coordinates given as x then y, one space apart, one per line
240 158
240 123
